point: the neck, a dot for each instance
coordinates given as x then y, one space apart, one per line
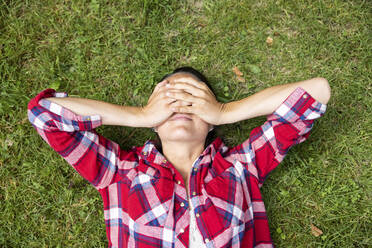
182 154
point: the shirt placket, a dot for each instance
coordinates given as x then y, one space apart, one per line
178 183
195 237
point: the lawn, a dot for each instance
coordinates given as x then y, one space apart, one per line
117 51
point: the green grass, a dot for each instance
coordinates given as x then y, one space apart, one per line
118 50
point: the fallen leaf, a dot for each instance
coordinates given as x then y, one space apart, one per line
202 24
237 71
240 79
315 231
269 41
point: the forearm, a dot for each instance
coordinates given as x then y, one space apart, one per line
266 101
111 114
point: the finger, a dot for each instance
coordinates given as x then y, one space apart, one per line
165 90
157 88
163 93
192 89
171 101
183 109
183 96
181 103
161 84
196 83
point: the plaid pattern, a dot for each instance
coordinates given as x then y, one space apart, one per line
144 197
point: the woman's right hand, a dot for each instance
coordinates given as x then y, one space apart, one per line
158 107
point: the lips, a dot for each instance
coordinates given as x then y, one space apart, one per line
181 117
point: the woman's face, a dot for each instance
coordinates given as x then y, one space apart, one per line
183 127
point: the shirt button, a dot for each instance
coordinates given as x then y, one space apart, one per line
164 161
195 169
182 204
194 193
144 153
206 240
197 215
178 182
305 96
182 230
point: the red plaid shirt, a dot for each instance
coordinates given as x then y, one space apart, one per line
144 197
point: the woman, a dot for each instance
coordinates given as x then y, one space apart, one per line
184 192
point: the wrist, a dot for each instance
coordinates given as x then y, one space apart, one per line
141 117
224 115
227 113
132 116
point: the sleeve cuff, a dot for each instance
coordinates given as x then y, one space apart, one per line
299 105
79 122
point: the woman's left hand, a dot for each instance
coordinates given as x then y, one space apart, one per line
203 101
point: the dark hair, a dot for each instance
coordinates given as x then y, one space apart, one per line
212 135
190 70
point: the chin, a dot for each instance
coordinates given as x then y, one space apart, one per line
182 135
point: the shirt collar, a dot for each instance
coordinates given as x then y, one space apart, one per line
152 155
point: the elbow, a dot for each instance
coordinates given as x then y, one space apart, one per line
324 89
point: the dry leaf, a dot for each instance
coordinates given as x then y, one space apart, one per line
315 231
269 41
202 24
240 79
237 71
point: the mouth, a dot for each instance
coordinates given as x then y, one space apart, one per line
180 117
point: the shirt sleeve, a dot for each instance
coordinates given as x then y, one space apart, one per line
73 136
288 125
